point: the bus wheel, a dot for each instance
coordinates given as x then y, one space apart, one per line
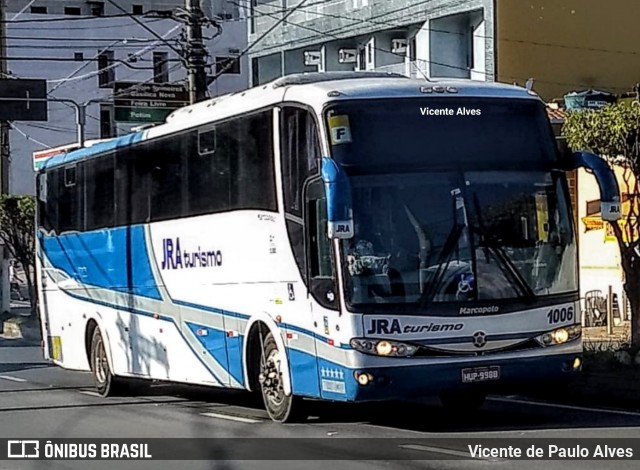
106 383
280 407
463 401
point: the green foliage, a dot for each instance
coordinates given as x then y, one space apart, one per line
17 220
613 131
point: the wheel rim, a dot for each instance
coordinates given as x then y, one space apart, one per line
271 379
101 365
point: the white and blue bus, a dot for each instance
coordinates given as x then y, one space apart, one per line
337 236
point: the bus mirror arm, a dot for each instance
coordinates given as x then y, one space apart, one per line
607 182
339 205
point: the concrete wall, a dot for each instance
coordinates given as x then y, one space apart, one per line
554 41
269 67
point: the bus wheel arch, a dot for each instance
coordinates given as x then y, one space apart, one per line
267 372
257 331
100 363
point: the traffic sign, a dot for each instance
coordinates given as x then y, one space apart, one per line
147 102
23 100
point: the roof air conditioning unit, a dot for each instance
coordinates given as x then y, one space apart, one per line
347 56
399 46
312 57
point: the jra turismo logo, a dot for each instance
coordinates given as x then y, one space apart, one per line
173 257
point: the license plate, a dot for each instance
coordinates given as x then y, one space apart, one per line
480 374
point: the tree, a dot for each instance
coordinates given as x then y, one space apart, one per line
17 231
614 133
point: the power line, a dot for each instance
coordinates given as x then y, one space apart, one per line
66 18
389 25
26 136
451 66
71 47
71 59
144 26
84 28
75 39
250 46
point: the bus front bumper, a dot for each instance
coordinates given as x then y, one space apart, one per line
488 376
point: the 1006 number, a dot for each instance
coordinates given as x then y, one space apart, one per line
560 315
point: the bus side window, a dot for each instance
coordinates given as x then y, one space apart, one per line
300 152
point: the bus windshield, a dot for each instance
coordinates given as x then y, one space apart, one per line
450 235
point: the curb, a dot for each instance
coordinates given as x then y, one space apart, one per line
16 328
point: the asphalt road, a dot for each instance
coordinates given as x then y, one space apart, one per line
38 400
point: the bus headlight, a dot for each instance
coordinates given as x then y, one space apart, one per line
560 335
383 347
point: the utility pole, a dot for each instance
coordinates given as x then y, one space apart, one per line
5 296
196 53
4 126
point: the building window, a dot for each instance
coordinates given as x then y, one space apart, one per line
228 65
38 10
160 67
97 8
107 129
78 56
107 74
137 9
72 11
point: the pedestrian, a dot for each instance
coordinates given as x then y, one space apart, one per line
14 280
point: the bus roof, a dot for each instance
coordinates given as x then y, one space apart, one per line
313 89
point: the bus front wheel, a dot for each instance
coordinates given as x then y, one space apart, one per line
280 407
106 383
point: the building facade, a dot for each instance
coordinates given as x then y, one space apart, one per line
438 38
563 45
83 48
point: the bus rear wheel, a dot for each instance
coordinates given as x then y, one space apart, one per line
281 407
106 383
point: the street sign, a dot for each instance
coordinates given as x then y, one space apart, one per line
23 100
148 102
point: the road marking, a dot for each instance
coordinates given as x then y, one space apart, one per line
566 407
13 379
240 419
91 393
440 450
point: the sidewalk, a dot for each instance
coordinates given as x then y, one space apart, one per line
19 323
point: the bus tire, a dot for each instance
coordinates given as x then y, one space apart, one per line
280 407
463 401
106 383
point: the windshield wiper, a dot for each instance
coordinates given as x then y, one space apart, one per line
443 264
488 242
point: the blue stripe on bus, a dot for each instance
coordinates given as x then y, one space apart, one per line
135 311
304 373
97 259
243 316
224 349
96 149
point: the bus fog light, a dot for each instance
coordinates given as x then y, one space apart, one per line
363 378
577 363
